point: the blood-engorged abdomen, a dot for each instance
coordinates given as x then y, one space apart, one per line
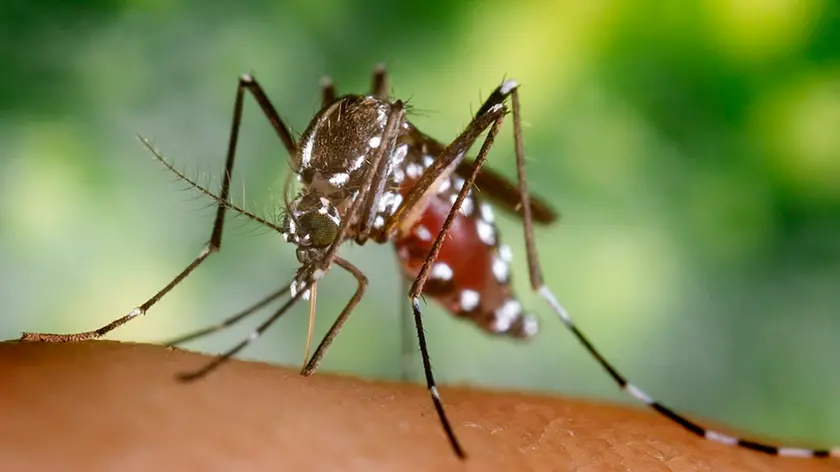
471 275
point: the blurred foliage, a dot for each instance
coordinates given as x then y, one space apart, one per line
692 147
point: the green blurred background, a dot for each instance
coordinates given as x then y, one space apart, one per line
693 149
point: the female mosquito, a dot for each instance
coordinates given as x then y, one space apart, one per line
367 173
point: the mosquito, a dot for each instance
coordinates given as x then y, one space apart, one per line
365 172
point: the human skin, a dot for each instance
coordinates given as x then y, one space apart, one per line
99 405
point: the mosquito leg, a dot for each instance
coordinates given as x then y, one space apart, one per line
504 194
315 271
328 94
538 285
228 321
406 338
377 174
430 379
319 353
491 112
534 268
222 358
417 287
379 84
82 336
246 82
443 166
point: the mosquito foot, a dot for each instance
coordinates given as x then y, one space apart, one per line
189 376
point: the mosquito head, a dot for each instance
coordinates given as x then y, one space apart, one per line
311 223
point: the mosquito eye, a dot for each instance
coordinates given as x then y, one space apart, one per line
321 228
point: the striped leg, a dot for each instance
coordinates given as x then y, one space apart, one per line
246 83
538 285
493 117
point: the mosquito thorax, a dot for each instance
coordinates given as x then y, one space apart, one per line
331 161
338 145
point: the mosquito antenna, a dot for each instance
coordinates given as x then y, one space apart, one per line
206 191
